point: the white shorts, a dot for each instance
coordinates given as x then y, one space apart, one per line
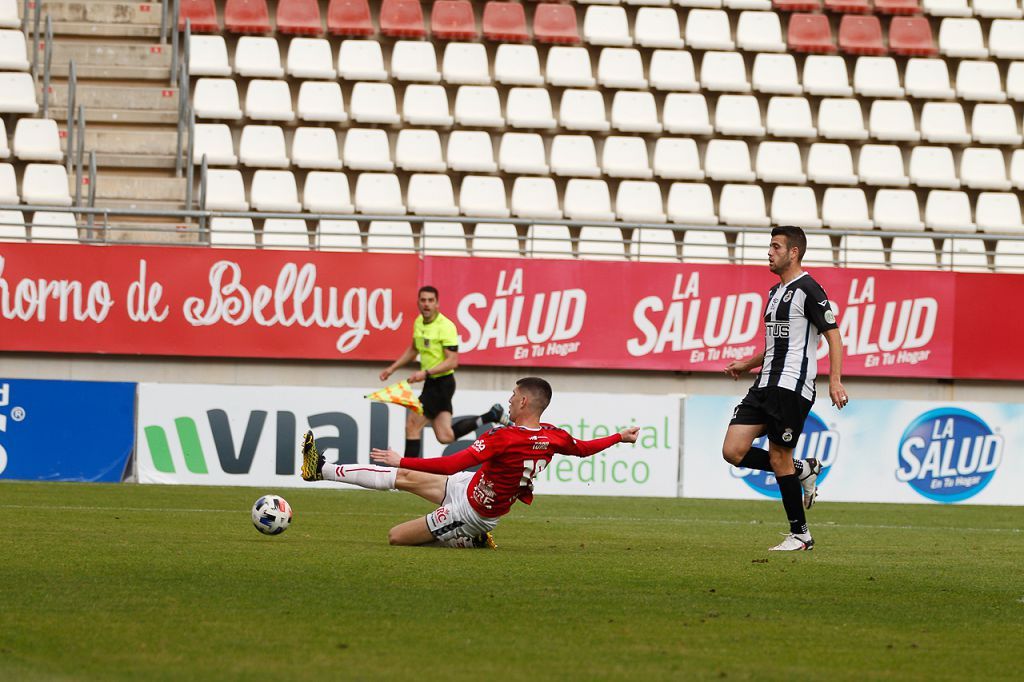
455 518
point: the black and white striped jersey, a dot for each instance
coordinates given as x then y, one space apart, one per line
796 314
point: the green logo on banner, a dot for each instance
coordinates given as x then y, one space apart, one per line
160 450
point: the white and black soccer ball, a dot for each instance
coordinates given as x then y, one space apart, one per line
271 515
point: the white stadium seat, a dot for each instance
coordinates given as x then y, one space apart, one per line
845 208
574 155
948 211
752 247
379 193
588 200
705 246
961 38
444 239
390 236
928 78
367 149
569 67
979 81
861 251
635 112
672 70
471 151
214 141
583 110
897 209
212 98
1017 168
759 32
1006 39
483 196
776 74
780 162
529 108
54 227
37 139
1008 256
225 191
891 119
414 60
686 113
420 150
431 194
465 64
535 198
549 241
738 115
742 205
621 67
478 106
601 243
790 117
5 150
606 26
496 239
997 9
882 165
933 167
995 124
327 192
728 161
309 58
263 146
657 27
374 103
338 235
45 184
20 94
361 60
321 101
626 157
877 77
639 201
654 244
708 29
316 148
830 164
285 233
795 206
1015 81
522 153
13 51
965 255
983 168
912 253
676 158
208 56
426 105
267 100
826 75
998 212
724 72
8 185
946 8
274 190
841 119
12 226
691 204
258 57
944 122
517 65
9 14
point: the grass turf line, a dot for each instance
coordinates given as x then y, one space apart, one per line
151 582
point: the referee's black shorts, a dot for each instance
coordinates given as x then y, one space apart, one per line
781 410
437 395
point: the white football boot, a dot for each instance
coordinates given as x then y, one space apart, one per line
809 481
793 543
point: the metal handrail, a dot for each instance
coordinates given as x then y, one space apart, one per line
92 190
184 106
203 172
71 94
35 42
79 153
47 59
163 23
190 160
174 42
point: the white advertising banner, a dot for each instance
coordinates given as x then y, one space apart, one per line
249 435
873 451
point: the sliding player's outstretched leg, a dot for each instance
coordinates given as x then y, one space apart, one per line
312 461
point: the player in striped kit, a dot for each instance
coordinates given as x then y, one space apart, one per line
470 502
783 393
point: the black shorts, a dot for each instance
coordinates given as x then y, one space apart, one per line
782 411
437 395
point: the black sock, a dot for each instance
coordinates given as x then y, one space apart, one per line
793 501
463 425
756 458
412 447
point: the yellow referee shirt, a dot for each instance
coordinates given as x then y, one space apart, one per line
431 340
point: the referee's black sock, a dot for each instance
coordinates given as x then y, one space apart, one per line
792 500
756 458
412 447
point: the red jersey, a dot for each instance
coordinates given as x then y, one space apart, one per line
510 458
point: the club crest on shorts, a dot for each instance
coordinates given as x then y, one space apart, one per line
787 435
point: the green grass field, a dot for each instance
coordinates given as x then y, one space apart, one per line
152 583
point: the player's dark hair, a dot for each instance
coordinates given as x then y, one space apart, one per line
539 390
794 237
430 290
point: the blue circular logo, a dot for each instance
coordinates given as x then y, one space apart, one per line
948 454
817 441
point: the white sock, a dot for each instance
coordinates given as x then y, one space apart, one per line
363 475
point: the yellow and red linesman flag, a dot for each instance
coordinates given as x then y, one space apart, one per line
399 394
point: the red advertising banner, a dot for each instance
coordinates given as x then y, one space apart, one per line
205 302
989 325
682 317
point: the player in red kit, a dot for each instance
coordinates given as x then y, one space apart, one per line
470 502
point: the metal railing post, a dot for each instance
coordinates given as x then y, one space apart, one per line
92 190
35 41
181 124
203 231
174 43
189 160
47 58
24 16
163 23
79 154
72 83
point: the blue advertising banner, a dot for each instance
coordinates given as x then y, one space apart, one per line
65 430
873 451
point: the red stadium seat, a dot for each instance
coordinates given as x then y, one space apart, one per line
202 14
851 6
911 36
897 7
861 35
247 16
402 19
796 5
453 20
349 18
299 17
555 23
810 33
505 21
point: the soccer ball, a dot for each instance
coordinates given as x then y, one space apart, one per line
271 515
